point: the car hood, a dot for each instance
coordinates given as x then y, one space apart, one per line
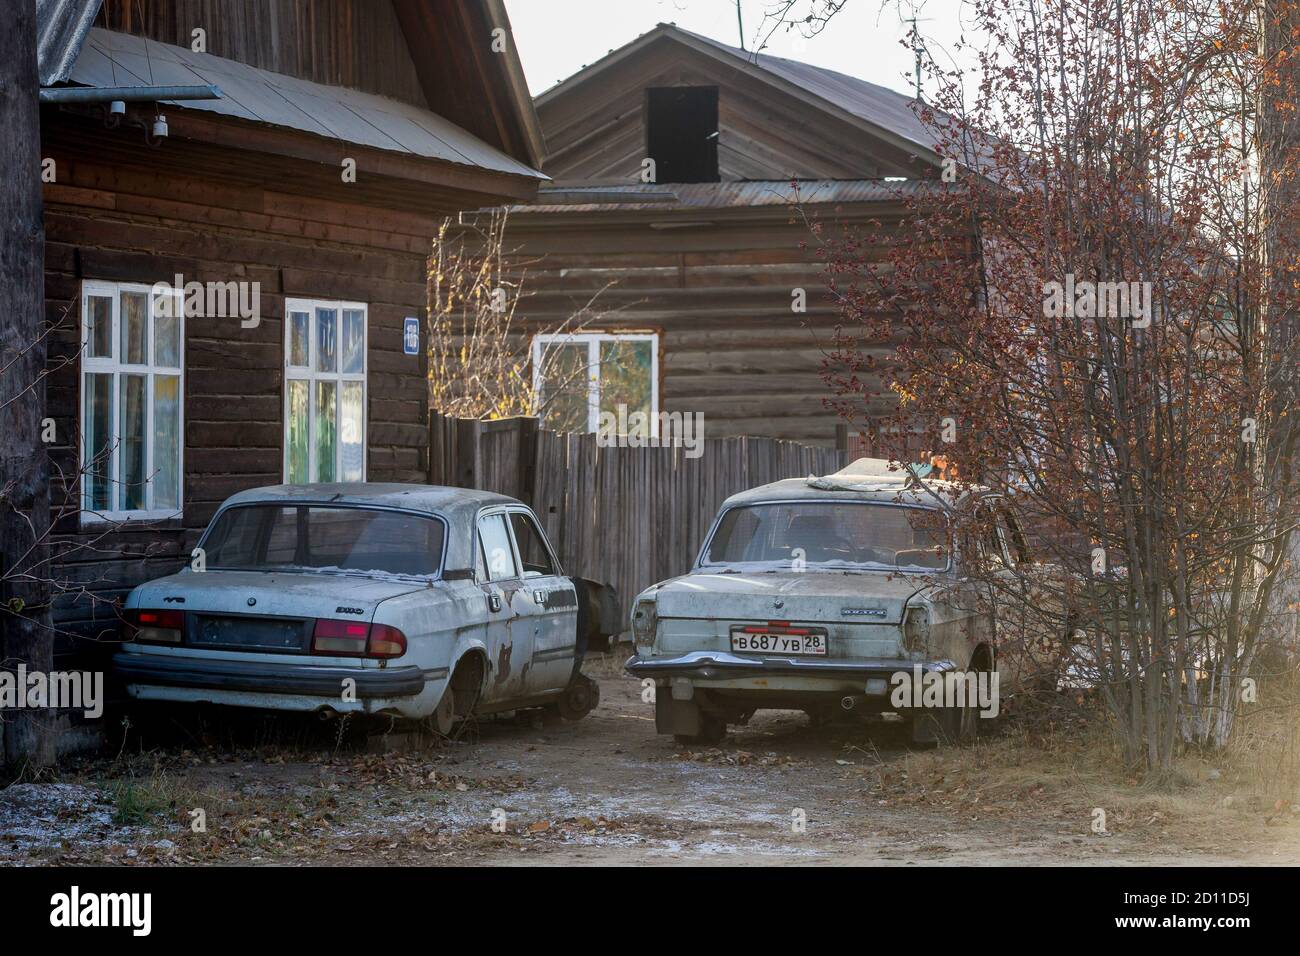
860 598
292 594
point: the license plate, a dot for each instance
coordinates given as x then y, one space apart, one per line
775 642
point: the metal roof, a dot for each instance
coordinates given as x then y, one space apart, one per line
590 198
875 104
249 93
61 28
889 114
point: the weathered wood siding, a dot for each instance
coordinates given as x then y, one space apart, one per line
146 224
597 130
353 43
719 292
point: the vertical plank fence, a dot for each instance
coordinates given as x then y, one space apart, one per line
627 517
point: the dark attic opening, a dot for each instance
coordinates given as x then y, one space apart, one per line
682 133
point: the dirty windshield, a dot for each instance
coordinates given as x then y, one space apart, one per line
327 539
833 533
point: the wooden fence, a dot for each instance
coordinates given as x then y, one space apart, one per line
627 517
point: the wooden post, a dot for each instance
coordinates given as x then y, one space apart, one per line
469 453
526 465
26 636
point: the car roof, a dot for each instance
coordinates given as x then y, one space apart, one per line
435 499
864 480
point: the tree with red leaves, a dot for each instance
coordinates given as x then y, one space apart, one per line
1107 337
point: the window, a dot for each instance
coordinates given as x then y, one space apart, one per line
132 388
579 376
324 391
532 548
821 532
325 538
498 555
682 133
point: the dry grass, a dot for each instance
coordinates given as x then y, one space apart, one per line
1208 802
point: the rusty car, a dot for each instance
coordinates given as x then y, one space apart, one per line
408 601
824 595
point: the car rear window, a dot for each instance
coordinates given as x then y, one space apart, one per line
821 532
324 538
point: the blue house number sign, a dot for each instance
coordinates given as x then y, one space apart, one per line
411 336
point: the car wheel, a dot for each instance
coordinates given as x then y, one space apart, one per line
712 731
444 715
580 698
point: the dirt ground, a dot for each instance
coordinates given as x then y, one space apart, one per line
608 790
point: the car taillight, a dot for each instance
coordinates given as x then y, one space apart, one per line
159 627
340 637
386 641
351 639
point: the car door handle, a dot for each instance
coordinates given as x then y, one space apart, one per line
540 597
494 602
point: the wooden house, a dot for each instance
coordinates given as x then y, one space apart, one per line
239 204
704 267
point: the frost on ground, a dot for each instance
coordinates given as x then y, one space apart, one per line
607 789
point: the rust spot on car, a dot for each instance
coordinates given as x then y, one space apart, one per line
503 665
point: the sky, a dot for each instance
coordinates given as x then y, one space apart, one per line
556 38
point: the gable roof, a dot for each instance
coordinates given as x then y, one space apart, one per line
248 93
875 109
497 110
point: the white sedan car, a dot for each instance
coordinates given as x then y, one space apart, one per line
410 601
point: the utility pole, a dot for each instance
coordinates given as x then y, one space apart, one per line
25 633
740 25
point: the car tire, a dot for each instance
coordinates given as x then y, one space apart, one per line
580 698
444 715
713 729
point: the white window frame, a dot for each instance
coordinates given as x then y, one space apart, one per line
311 376
113 364
543 341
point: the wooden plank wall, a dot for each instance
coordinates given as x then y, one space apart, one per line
719 295
628 517
596 130
353 43
141 224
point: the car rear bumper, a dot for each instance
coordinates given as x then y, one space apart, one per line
257 677
721 665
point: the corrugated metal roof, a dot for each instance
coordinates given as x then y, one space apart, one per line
61 28
249 93
589 198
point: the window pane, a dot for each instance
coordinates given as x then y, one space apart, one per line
564 386
131 454
625 369
326 430
352 432
135 327
529 540
496 547
347 539
297 435
354 340
167 442
97 432
299 331
167 331
99 326
327 346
